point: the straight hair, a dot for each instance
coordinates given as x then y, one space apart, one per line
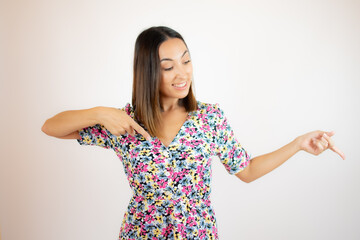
147 77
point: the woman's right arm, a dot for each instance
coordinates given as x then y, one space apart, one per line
66 124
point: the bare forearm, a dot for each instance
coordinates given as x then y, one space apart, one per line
263 164
69 121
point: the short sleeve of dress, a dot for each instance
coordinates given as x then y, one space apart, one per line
232 155
98 135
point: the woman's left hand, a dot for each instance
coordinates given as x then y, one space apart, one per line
318 141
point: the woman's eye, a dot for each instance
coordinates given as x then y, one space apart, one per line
168 69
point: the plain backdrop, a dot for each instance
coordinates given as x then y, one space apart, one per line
279 69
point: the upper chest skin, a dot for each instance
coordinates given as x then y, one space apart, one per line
172 121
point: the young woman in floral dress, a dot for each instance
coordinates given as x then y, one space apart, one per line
165 140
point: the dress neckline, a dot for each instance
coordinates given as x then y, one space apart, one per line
177 134
189 114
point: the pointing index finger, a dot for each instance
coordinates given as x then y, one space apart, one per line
140 130
335 149
332 146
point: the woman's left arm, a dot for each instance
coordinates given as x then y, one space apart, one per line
313 142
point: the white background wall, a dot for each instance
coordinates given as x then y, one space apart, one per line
278 68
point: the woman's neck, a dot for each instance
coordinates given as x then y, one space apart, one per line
170 104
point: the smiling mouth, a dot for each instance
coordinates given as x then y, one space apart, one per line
180 85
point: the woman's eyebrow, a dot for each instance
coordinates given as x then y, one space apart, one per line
169 59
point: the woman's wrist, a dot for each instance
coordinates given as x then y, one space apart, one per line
96 114
297 141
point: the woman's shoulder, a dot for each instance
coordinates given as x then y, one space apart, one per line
128 108
208 107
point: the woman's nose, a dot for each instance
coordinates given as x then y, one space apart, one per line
181 71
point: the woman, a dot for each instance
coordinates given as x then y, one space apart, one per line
165 140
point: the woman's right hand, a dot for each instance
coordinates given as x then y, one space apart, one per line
118 122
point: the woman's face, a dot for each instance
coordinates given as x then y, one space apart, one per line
176 69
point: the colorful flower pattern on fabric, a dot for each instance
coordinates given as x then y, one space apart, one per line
171 185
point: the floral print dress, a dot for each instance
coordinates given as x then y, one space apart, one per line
171 185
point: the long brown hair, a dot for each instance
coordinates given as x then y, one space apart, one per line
147 76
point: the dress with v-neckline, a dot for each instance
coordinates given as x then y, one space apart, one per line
177 134
171 187
188 116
